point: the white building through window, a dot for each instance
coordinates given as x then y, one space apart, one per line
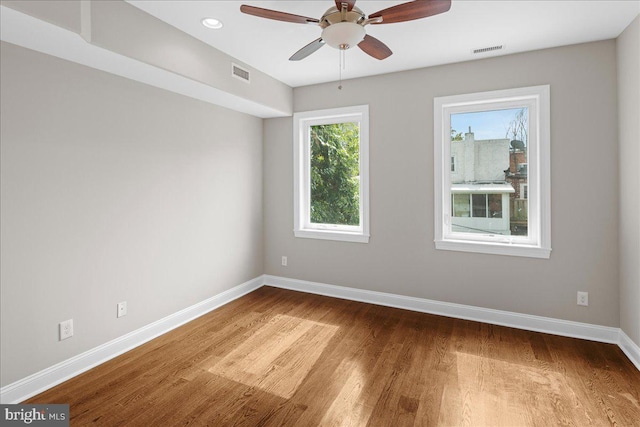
331 174
492 172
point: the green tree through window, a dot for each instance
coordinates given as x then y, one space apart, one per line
335 170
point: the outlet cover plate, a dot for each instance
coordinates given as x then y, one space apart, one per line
122 308
583 298
66 329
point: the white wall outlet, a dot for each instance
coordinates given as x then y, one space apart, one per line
284 261
66 329
583 298
122 308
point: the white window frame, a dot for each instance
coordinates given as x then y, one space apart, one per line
302 163
537 244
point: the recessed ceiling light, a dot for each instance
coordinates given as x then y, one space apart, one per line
212 23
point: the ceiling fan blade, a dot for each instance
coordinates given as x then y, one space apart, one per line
307 50
374 47
350 4
412 10
278 16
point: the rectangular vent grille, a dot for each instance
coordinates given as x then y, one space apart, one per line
240 73
488 49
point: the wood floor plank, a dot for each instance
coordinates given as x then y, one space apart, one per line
349 352
282 358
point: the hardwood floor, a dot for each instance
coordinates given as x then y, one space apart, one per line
277 357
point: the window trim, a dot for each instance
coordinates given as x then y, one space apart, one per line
301 193
538 242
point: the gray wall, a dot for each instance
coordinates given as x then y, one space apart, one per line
112 191
628 45
400 257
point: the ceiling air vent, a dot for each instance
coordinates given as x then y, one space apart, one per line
488 49
240 73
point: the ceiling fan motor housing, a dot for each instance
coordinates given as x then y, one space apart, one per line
333 16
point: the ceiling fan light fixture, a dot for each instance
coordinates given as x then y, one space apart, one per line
343 35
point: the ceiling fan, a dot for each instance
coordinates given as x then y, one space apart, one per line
343 25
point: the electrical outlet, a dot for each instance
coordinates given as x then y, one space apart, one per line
122 308
284 261
66 329
583 298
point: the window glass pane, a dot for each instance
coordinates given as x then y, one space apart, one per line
495 205
461 206
490 149
335 174
479 205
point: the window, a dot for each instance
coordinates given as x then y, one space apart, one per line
331 194
492 174
484 205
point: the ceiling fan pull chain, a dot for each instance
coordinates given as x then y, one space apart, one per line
341 67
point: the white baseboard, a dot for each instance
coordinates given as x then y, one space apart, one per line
496 317
56 374
630 348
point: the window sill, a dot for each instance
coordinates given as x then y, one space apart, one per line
342 236
494 248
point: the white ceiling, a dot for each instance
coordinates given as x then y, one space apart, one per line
519 25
